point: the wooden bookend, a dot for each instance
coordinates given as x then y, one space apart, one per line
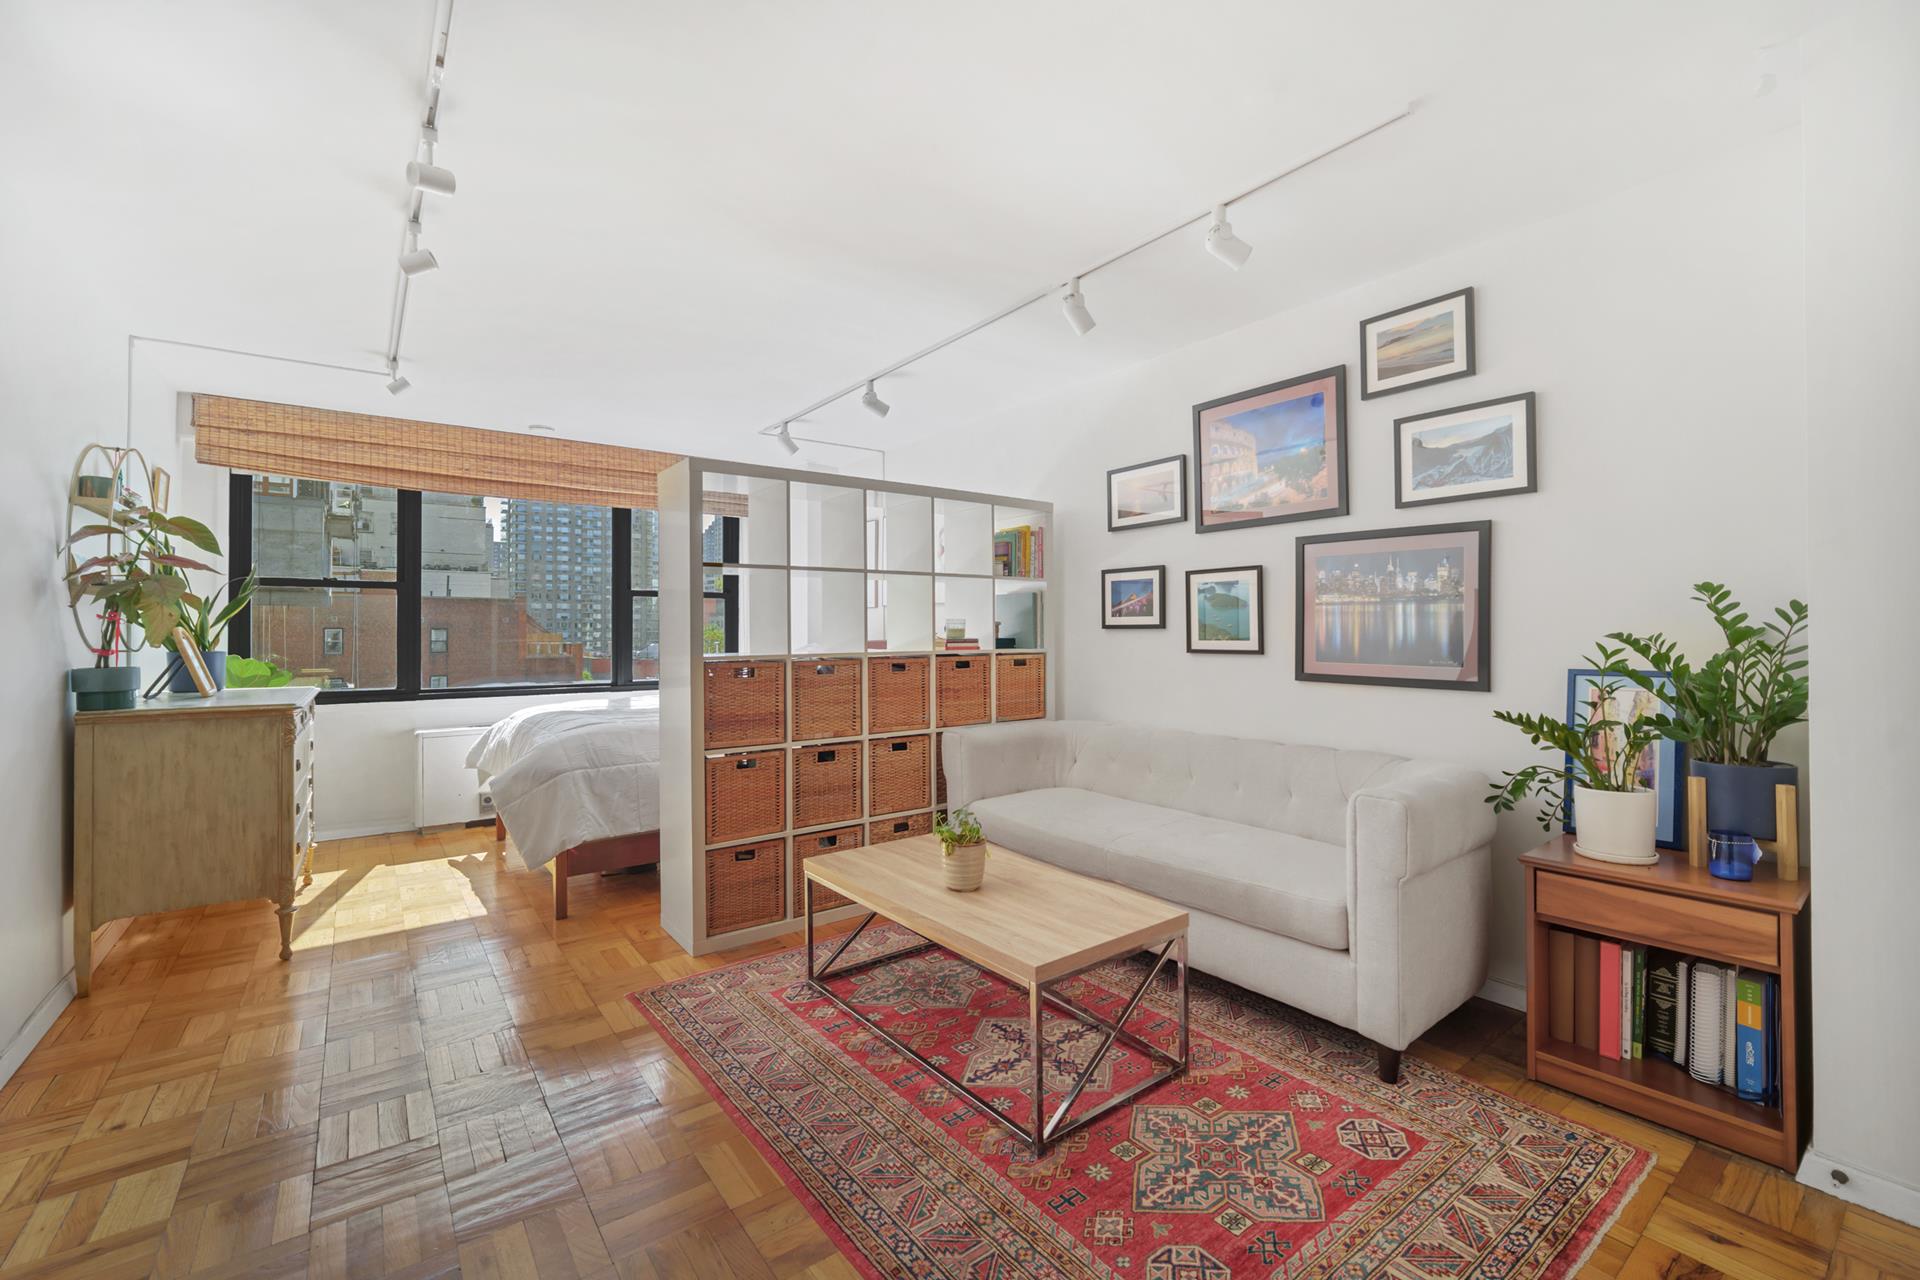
1784 847
1696 822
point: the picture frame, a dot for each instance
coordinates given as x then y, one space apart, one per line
1133 599
1231 604
1470 451
1410 607
191 659
1147 494
1664 764
162 489
1272 454
1417 345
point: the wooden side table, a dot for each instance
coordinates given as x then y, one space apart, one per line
1757 924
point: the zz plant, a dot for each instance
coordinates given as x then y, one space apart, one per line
1729 709
1599 754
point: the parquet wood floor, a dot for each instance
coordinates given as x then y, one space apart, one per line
443 1080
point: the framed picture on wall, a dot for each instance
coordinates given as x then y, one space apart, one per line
1595 696
1226 610
1413 346
1480 450
1132 598
1147 493
1272 454
1408 607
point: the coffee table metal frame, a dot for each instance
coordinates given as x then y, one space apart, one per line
1044 1131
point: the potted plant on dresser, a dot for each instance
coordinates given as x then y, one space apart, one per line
963 850
1729 709
1600 758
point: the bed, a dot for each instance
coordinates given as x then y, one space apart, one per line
577 784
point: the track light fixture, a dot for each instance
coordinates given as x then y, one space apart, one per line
873 403
1223 244
398 383
430 177
1075 307
418 261
785 436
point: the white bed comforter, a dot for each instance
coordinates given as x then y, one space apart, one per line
570 772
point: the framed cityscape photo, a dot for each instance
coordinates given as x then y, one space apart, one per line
1594 696
1406 607
1413 346
1480 450
1147 493
1272 454
1132 598
1226 610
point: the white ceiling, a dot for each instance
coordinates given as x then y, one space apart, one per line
679 222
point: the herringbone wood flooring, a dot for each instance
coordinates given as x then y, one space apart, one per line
444 1079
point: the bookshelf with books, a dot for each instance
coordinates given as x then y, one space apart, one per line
1672 995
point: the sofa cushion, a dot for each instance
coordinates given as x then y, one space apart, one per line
1284 884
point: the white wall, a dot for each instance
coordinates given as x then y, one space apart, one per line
1662 331
1863 383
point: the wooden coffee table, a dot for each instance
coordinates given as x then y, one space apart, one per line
1031 923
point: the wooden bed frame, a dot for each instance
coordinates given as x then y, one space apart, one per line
612 854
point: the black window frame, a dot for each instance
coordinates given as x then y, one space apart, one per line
408 685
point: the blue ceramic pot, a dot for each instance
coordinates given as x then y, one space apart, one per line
181 681
1740 796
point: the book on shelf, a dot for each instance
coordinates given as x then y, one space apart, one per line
1560 985
1638 1041
1610 1000
1586 991
1750 1036
1019 552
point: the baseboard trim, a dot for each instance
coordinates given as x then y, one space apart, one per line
44 1015
377 827
1864 1187
1511 994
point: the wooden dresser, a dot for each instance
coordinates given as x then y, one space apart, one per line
187 802
1757 924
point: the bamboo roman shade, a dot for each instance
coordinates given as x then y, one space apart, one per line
326 444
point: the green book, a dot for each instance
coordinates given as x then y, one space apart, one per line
1639 1001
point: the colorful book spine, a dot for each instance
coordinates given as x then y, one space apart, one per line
1750 1070
1639 1002
1662 1008
1610 1000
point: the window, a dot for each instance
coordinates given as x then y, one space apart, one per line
362 589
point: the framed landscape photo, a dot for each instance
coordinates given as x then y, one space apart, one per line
1413 346
1131 598
1226 610
1272 454
1480 450
1407 607
1147 493
1593 696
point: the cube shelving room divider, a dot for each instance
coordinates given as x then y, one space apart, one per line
817 634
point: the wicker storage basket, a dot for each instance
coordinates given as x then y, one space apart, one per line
896 694
897 774
826 699
826 784
817 842
964 688
918 824
746 886
746 703
1020 689
746 795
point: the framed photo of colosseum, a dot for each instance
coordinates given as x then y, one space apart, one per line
1272 454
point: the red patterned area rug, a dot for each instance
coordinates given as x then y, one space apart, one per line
1278 1153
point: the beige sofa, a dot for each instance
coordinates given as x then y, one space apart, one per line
1351 884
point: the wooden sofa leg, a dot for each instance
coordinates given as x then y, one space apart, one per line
500 830
1389 1063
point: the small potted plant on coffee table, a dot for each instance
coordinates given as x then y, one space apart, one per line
963 850
1601 758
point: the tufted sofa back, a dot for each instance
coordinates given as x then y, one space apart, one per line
1299 790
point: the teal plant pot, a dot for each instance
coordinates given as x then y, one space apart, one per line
104 688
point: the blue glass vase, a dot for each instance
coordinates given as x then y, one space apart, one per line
1731 855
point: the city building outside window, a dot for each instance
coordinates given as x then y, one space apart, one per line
437 640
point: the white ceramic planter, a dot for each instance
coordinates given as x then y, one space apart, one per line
965 864
1615 826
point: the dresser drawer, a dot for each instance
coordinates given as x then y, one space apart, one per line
1661 919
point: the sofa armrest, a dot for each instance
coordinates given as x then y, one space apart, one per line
1419 885
988 760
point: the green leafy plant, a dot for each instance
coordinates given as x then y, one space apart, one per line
1599 754
1729 709
139 575
255 673
206 619
956 828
